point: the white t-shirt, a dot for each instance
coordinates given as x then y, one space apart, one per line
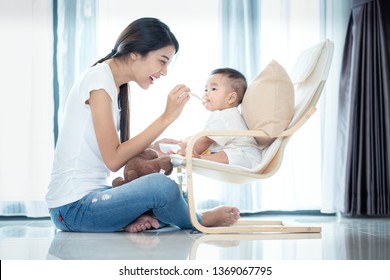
242 151
78 166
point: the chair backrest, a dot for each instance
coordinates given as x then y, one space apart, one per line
309 74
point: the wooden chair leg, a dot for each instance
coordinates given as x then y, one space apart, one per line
242 226
179 176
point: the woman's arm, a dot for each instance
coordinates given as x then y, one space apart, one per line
116 154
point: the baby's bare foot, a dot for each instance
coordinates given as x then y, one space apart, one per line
143 222
220 216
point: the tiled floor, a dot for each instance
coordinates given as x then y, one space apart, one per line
341 238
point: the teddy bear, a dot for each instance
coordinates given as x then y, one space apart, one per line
147 162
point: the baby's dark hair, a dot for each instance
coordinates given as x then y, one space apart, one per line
237 81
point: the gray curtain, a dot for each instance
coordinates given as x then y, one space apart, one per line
364 106
74 30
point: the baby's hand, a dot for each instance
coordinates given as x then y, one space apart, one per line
182 152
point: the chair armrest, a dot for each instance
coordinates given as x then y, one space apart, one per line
250 133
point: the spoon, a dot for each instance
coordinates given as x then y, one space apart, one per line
196 96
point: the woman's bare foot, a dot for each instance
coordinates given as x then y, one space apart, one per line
221 216
143 222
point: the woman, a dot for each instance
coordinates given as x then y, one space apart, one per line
88 147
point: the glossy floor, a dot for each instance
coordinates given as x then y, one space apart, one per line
341 238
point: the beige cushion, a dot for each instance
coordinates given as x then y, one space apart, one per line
268 103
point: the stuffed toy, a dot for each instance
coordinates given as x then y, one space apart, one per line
143 164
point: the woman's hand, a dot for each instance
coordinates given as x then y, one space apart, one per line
176 100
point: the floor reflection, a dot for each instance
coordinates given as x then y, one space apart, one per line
175 245
341 239
256 246
159 245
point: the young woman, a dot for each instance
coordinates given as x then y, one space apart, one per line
88 148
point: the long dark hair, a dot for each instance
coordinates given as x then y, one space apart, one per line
141 36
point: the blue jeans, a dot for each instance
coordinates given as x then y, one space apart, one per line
112 209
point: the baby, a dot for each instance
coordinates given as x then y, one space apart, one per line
224 91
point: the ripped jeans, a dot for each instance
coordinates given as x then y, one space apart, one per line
112 209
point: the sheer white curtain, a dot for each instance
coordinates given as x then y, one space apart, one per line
76 45
307 178
26 107
28 122
240 35
285 28
336 19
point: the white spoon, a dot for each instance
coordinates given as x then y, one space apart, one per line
196 96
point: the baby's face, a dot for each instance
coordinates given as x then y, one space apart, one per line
216 93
